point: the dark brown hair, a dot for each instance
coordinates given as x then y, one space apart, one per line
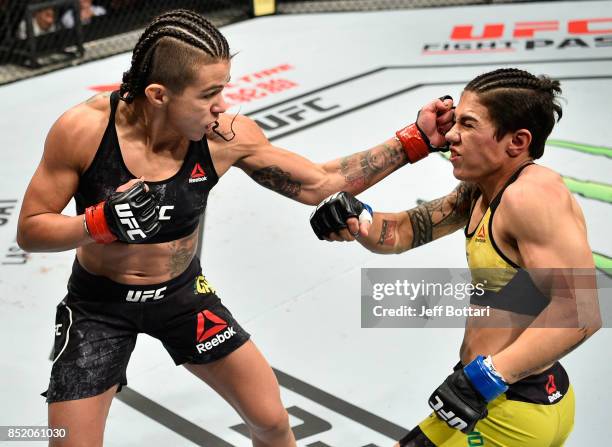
516 99
171 50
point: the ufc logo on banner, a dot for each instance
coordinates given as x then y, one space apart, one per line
135 296
448 416
528 29
127 218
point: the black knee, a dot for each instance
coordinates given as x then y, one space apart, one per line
416 438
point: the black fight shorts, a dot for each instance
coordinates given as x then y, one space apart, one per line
96 326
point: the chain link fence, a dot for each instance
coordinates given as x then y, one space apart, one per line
38 36
41 36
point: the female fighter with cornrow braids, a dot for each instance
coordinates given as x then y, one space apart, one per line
526 243
140 164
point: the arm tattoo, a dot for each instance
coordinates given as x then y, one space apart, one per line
360 169
440 217
530 371
422 226
96 96
181 254
584 333
387 234
274 178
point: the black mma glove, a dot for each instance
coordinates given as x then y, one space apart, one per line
129 216
461 400
331 214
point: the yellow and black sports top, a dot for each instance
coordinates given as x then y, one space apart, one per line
507 286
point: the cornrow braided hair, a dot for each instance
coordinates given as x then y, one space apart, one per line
516 99
186 27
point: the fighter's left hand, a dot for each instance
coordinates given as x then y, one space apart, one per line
461 401
341 217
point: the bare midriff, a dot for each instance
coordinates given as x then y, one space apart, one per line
139 264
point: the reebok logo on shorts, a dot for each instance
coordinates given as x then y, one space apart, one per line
210 325
551 389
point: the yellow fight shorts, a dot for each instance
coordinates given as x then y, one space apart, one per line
537 411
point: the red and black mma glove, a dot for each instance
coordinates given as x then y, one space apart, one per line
331 214
129 216
415 142
461 401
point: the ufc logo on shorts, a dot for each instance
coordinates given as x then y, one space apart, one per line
135 296
127 218
448 416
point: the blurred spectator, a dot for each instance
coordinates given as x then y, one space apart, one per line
43 21
88 10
